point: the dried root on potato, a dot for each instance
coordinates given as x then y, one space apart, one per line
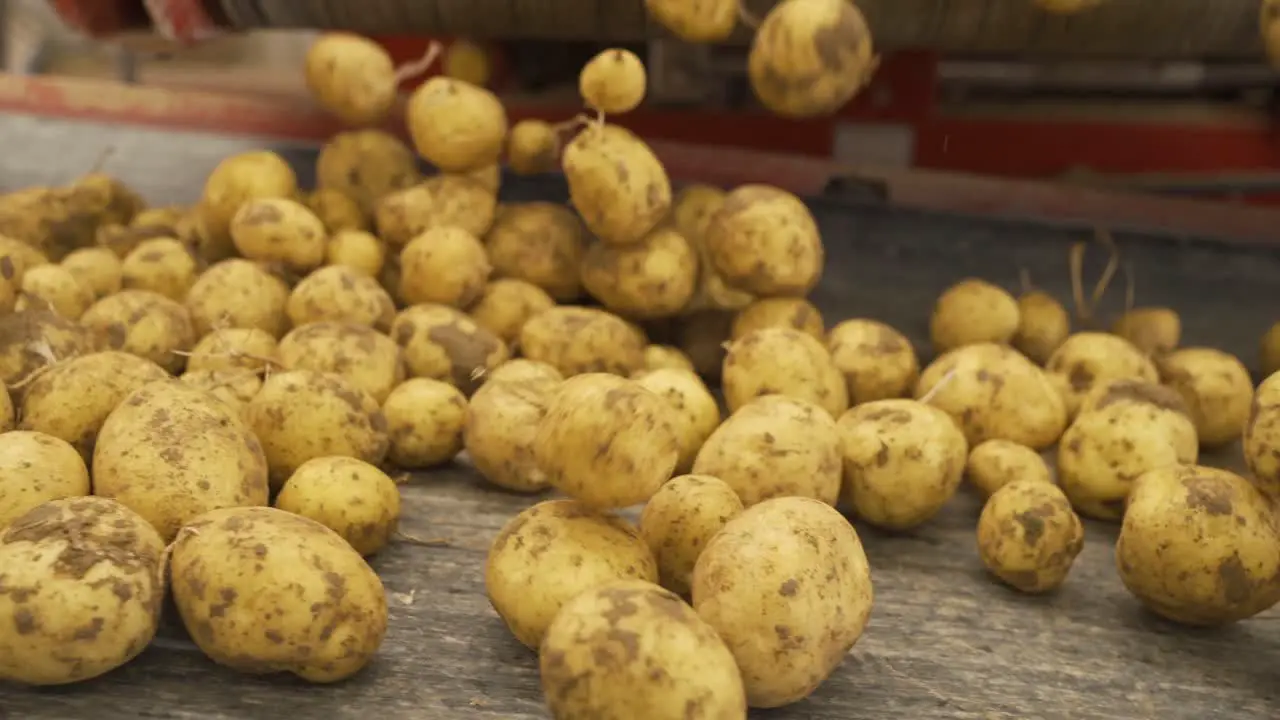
53 287
613 82
616 182
877 361
1028 536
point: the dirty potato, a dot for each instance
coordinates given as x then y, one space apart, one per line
709 21
1043 325
356 353
440 201
1153 330
337 293
506 304
258 174
366 165
55 288
541 243
425 419
666 357
161 265
699 412
233 386
444 265
783 361
36 468
338 211
995 463
263 591
1216 388
691 212
32 339
576 340
352 77
502 422
653 278
764 241
279 230
613 82
795 313
533 147
455 125
1262 436
442 343
972 312
97 269
233 348
7 418
1028 535
680 519
877 362
238 293
1087 359
350 497
552 552
143 323
356 249
616 182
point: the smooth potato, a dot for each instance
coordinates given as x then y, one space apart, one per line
782 361
1153 330
340 294
425 420
972 312
763 240
540 243
161 265
618 185
352 77
533 147
354 499
877 362
95 268
680 519
442 343
238 293
992 464
613 82
359 250
654 278
279 230
1028 535
455 125
364 357
1043 325
1216 388
444 265
36 468
576 340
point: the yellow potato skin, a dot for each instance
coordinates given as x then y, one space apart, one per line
238 293
20 330
616 182
764 241
442 343
444 265
358 354
440 201
540 243
783 361
161 265
95 268
576 340
877 361
552 552
1269 349
352 77
1153 330
613 82
455 125
234 348
340 294
36 468
366 165
696 21
1216 387
338 211
995 463
85 585
350 497
279 230
654 278
234 386
143 323
1262 436
533 147
1028 535
502 422
7 420
1087 359
795 313
323 624
665 357
972 312
55 288
234 182
680 519
359 250
425 420
506 304
680 669
1043 325
697 407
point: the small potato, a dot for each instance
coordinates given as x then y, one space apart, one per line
540 243
502 422
679 669
1216 388
1269 351
238 293
425 419
810 57
161 265
613 82
36 468
903 460
233 386
995 463
680 519
322 619
788 568
972 312
440 201
877 362
665 357
775 446
366 165
279 230
694 403
237 180
703 336
32 339
170 451
358 250
506 304
653 278
338 211
53 287
233 348
350 497
17 257
606 441
783 361
795 313
84 584
992 391
616 182
553 552
352 77
1043 325
1028 536
764 241
302 414
444 265
709 21
533 147
1199 546
358 354
1153 330
442 343
576 340
337 293
96 268
145 324
1261 440
1087 359
455 125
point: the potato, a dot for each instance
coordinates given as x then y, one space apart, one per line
783 361
161 265
678 666
787 568
533 147
972 312
362 356
264 591
1261 440
338 211
143 323
772 447
502 422
121 240
444 265
1199 546
665 357
680 519
1043 325
279 230
576 340
170 451
7 419
488 176
992 391
525 371
795 313
1153 330
32 339
709 21
53 287
233 348
613 82
1028 536
691 213
366 165
254 175
1269 351
238 293
36 468
703 336
552 552
656 277
96 268
995 463
302 414
350 497
352 77
903 460
233 386
616 182
810 57
1087 359
337 293
455 125
84 583
442 343
425 419
1216 388
764 241
17 257
697 407
540 243
440 201
506 304
606 441
877 362
358 250
8 294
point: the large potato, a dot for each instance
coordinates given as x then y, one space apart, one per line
680 519
439 201
340 294
234 349
878 362
1088 359
36 468
506 304
32 339
783 361
785 569
238 293
161 265
1028 536
53 287
445 265
350 497
145 324
358 354
972 312
1262 436
576 340
352 77
552 552
266 591
618 185
541 243
234 182
233 386
1216 388
655 277
83 587
279 230
442 343
455 125
366 165
764 241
